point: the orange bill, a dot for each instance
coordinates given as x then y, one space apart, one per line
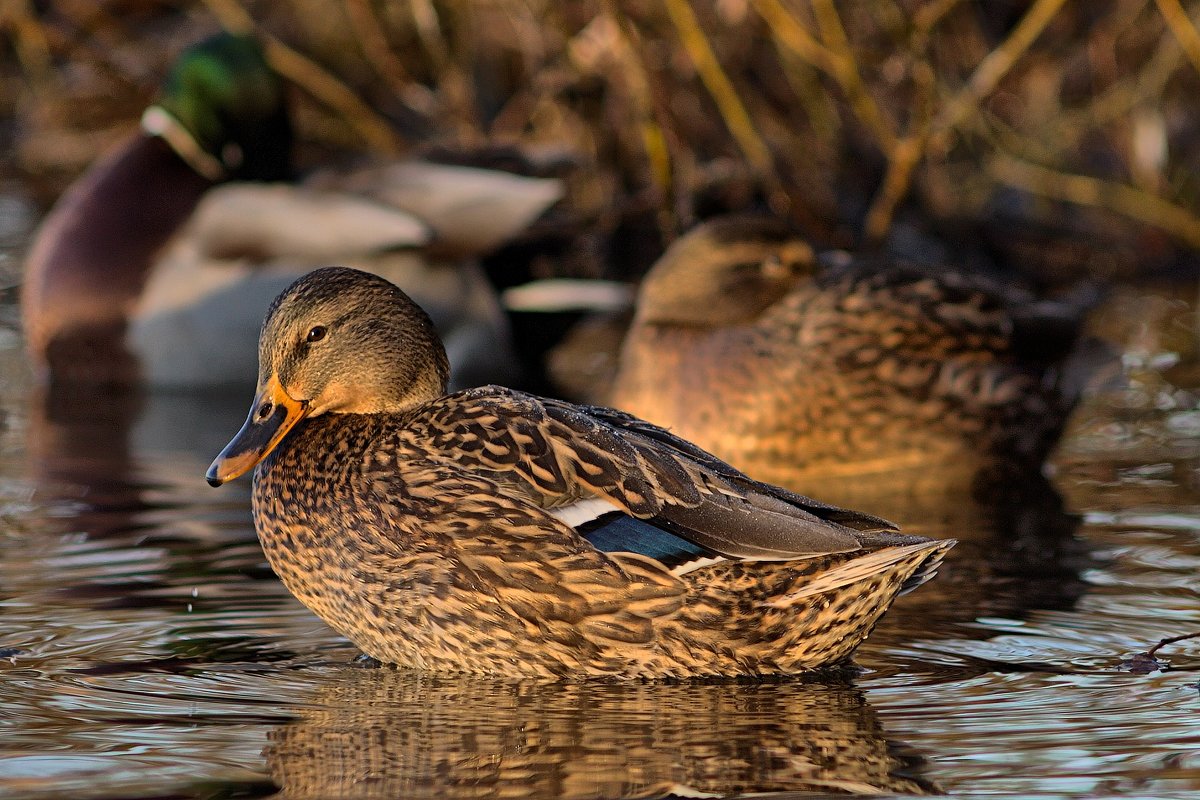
273 414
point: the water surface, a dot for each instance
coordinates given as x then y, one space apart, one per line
147 651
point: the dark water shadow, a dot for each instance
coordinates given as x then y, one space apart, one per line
1019 551
393 733
102 458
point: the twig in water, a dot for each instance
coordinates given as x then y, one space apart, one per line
1171 640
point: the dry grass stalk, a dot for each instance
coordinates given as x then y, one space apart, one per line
1088 191
1183 29
312 78
719 85
856 112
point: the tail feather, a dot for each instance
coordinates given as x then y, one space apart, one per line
928 568
909 565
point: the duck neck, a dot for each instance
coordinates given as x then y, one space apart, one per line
380 393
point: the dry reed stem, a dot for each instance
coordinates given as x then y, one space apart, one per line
846 73
1182 28
638 83
29 40
719 86
996 65
904 159
231 16
795 37
839 64
429 29
1121 97
803 61
1085 190
369 31
905 156
927 18
375 131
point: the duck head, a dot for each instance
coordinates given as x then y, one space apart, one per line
724 272
337 341
224 111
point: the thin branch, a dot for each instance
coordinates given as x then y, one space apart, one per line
1170 640
719 86
1182 28
1093 192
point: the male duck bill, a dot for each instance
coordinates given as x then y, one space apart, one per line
492 531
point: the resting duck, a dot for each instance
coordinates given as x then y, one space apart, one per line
793 366
153 269
492 531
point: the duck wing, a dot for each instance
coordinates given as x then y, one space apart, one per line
953 311
581 463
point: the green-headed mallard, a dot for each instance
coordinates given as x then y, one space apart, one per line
492 531
792 366
157 265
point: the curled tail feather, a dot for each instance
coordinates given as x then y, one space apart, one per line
909 566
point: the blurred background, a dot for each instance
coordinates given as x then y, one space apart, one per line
149 651
1057 139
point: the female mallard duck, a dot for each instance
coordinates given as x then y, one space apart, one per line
147 271
794 370
491 531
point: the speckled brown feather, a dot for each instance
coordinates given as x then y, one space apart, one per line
426 532
845 369
430 563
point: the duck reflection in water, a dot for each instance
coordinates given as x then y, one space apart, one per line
392 733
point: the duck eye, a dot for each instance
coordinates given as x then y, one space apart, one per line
316 334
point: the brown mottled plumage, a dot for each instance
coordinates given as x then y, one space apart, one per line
790 369
451 532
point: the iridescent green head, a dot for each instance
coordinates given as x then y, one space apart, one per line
223 109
